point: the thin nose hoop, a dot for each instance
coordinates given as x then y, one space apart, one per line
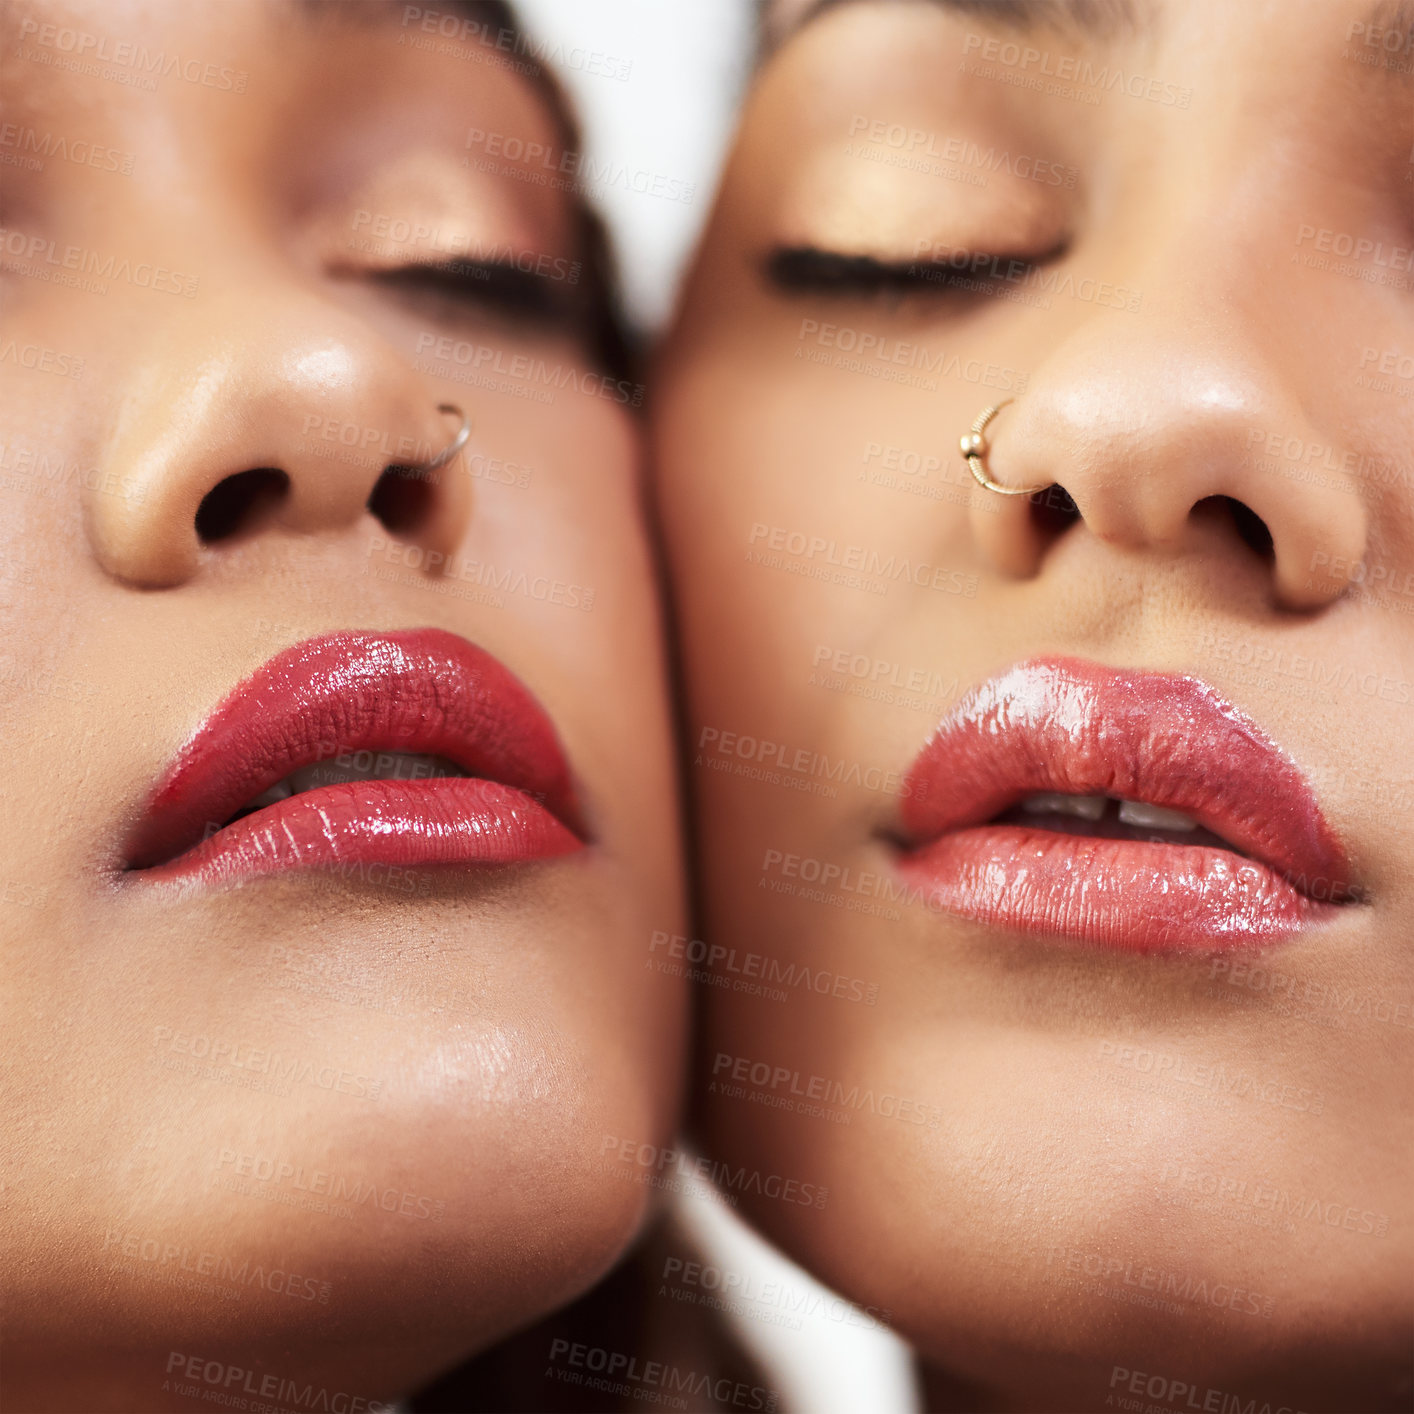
452 447
974 452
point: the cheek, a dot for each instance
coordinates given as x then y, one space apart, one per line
559 486
817 477
789 558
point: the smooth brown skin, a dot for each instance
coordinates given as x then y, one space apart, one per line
1042 1151
508 1016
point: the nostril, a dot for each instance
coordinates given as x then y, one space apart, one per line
1251 528
402 499
1053 510
238 504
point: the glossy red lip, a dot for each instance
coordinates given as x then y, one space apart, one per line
1075 728
423 692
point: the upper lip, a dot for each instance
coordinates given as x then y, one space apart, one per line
1075 728
412 691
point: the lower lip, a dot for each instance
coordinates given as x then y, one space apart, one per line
407 824
1123 894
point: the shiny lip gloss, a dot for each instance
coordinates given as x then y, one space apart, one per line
1075 728
422 691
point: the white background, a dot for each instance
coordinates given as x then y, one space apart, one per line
673 116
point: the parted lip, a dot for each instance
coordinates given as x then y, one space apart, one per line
423 691
1068 727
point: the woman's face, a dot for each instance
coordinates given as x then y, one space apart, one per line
1092 1090
303 1095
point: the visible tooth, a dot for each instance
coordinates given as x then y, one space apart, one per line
1154 817
371 766
281 790
1085 807
325 773
411 766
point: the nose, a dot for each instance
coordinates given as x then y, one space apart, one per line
1143 421
249 411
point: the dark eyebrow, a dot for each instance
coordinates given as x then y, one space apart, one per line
491 15
1095 19
1099 19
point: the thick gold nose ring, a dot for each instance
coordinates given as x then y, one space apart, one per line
974 452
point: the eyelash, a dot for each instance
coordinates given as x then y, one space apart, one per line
496 286
811 270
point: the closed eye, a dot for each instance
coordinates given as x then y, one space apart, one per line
810 270
542 301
